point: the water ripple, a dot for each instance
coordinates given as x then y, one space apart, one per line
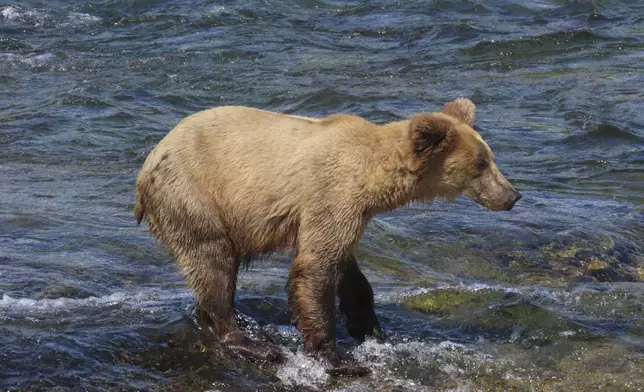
89 300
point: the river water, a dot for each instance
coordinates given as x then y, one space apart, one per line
553 292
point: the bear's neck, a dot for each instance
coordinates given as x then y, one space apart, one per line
396 171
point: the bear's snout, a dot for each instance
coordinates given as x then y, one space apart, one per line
505 199
512 199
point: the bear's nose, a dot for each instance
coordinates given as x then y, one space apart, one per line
512 199
517 196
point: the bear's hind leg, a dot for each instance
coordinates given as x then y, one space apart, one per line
211 269
356 303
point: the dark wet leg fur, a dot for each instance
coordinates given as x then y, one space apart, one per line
237 344
211 269
356 303
312 299
192 230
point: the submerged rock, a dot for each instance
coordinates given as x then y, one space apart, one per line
445 302
496 314
560 262
64 291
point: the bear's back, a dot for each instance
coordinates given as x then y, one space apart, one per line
258 168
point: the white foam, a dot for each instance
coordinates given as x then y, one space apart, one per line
8 302
33 60
302 370
459 362
423 352
217 10
10 13
40 17
16 14
286 332
82 18
137 300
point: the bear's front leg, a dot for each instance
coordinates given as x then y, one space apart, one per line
313 285
356 303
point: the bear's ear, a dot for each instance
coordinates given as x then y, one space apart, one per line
463 109
430 133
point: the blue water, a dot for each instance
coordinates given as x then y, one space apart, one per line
89 301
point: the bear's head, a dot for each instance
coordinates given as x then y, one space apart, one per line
453 158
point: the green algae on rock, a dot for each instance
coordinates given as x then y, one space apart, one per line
449 300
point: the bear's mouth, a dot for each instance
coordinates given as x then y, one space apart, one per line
493 192
505 205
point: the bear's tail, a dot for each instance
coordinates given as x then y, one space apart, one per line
139 208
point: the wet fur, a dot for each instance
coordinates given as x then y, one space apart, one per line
233 183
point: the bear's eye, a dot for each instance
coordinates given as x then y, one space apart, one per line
482 164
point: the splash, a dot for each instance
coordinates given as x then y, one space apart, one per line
10 13
390 365
302 370
138 300
46 17
453 361
31 60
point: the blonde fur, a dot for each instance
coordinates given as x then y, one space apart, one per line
231 183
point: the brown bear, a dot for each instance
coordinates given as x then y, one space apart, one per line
231 183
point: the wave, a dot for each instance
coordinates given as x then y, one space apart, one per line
45 18
9 44
560 41
399 296
136 300
322 99
32 60
452 360
603 132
